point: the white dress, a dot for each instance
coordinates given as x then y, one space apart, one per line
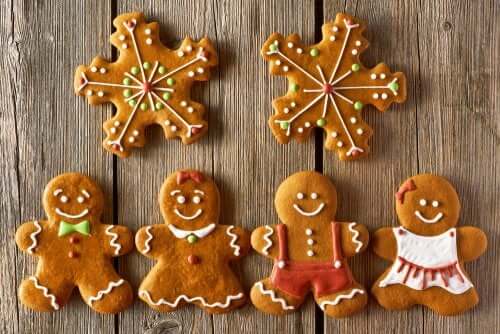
426 261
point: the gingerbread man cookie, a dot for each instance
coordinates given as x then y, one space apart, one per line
148 84
193 251
427 251
328 87
74 249
310 251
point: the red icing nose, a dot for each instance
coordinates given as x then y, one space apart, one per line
146 87
327 88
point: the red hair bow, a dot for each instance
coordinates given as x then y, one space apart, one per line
184 176
407 186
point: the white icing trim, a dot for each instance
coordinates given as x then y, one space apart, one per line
104 292
309 214
57 192
114 237
234 237
85 193
200 233
194 216
174 192
339 298
429 221
269 242
199 192
275 299
161 301
67 215
355 237
46 293
147 246
32 247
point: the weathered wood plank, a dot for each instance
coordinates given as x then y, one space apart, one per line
46 131
366 187
458 134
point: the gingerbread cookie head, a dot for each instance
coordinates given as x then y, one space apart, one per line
427 205
306 195
73 197
189 200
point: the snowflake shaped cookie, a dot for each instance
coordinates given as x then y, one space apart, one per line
148 84
328 87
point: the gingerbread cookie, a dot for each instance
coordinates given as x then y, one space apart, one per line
193 251
310 251
148 84
328 87
74 249
427 251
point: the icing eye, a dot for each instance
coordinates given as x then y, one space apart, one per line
300 196
181 199
423 202
80 199
196 199
314 196
64 199
435 204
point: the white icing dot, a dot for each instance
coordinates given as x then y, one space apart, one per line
131 139
180 54
135 133
337 264
167 122
277 62
196 199
191 74
100 93
340 144
285 68
423 202
335 29
116 123
173 128
310 242
353 120
189 48
332 38
354 51
112 130
290 45
149 41
299 50
373 76
147 31
300 196
300 130
124 45
190 109
307 124
200 70
375 96
93 69
286 110
384 96
102 70
382 75
121 38
281 264
181 199
359 131
90 92
358 43
314 195
64 199
80 199
184 104
309 231
334 134
435 204
310 253
293 104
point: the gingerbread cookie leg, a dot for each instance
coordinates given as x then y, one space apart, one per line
446 303
344 303
393 297
269 299
106 292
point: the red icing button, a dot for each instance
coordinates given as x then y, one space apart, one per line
452 233
74 240
195 130
146 87
193 259
73 255
401 232
355 153
204 54
327 88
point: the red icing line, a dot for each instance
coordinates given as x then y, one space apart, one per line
337 250
446 272
184 176
407 186
283 243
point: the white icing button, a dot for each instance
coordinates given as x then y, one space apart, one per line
131 139
149 41
310 242
310 253
189 48
200 70
277 62
299 50
307 124
423 202
373 76
382 75
314 195
359 131
148 31
332 38
124 45
435 204
116 123
102 70
340 144
300 130
384 96
64 199
90 92
183 104
190 109
293 104
100 93
358 43
191 74
309 231
290 45
196 199
286 110
180 54
93 69
334 134
354 51
337 264
300 196
135 133
281 264
181 199
353 120
375 96
121 38
167 122
335 29
80 199
173 128
285 68
112 130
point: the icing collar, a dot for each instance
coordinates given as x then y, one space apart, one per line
200 233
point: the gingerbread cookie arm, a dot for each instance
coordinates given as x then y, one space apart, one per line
355 238
237 243
28 235
118 240
264 240
471 243
384 243
149 240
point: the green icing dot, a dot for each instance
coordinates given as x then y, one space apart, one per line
166 95
158 105
134 70
127 93
358 105
314 52
127 81
394 86
321 122
192 238
355 67
294 87
132 103
284 125
144 106
162 70
146 65
170 81
273 47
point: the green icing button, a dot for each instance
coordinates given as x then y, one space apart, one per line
162 70
394 86
294 87
144 106
284 125
314 52
355 67
134 70
158 105
127 81
166 95
132 103
127 93
146 65
273 47
192 238
170 81
321 122
358 105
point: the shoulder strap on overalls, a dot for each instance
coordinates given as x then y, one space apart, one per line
282 242
336 242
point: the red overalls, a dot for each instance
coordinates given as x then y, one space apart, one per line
297 278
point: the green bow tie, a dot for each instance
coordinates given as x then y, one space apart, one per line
66 228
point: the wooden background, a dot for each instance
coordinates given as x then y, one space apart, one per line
450 125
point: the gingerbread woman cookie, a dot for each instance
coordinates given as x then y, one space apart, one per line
310 251
148 84
74 249
328 87
427 251
193 251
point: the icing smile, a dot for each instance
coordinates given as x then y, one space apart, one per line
194 216
429 221
309 214
68 215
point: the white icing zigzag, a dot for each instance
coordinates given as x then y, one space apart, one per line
275 299
147 247
233 241
101 293
355 237
339 298
161 301
46 293
113 242
268 240
31 249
